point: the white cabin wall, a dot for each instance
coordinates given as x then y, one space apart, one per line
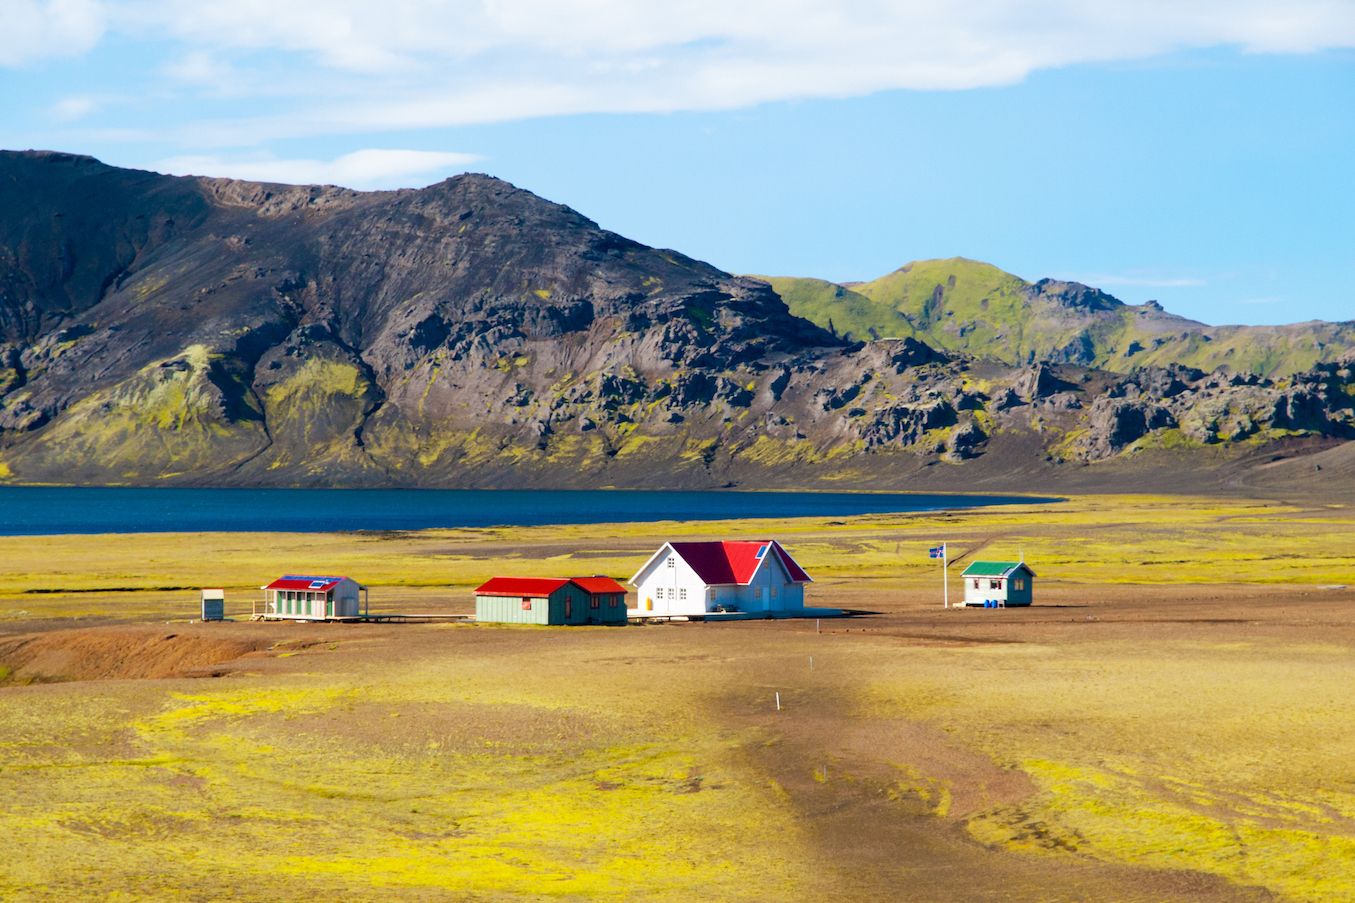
983 593
672 580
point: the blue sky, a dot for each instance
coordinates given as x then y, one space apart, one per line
1198 154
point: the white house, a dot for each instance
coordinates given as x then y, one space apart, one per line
298 598
1005 583
694 578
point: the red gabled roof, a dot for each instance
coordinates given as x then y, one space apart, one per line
596 586
735 562
309 584
544 586
797 573
520 586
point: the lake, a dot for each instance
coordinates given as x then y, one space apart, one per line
40 510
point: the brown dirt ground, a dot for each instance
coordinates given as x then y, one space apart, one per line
875 844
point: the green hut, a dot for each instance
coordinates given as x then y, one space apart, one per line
551 600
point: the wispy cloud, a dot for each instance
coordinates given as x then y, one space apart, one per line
69 109
372 168
357 66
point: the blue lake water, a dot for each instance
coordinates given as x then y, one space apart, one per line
35 510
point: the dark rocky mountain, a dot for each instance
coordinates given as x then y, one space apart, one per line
156 329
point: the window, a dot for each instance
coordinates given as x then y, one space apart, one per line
594 602
761 552
976 584
658 593
995 584
774 592
1018 583
569 607
672 561
526 604
682 593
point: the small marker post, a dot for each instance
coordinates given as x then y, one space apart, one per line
778 700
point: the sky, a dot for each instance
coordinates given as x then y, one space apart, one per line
1201 154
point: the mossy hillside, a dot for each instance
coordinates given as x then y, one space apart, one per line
172 417
314 414
840 309
972 307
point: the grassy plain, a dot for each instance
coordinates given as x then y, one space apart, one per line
1171 721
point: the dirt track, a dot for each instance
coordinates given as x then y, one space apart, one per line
839 766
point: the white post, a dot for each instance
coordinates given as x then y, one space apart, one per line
778 700
945 575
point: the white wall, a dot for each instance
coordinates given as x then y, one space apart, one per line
663 585
983 593
700 599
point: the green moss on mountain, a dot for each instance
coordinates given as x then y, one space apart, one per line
975 308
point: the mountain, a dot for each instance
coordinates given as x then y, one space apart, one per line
975 308
180 330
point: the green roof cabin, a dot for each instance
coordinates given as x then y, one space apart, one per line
1006 583
551 600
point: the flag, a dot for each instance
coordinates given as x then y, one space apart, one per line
937 551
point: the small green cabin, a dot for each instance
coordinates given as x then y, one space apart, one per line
551 600
1009 583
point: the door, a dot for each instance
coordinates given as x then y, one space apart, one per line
766 598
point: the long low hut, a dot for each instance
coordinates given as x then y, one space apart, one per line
551 600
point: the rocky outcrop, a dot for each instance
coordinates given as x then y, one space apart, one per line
1114 423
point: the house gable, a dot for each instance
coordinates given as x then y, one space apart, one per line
729 563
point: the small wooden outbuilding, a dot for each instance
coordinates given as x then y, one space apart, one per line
1007 583
551 600
214 605
300 598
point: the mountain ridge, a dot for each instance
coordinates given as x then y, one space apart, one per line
191 331
968 306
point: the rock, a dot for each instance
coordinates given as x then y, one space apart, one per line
904 424
1006 399
964 441
1116 423
1073 296
1038 382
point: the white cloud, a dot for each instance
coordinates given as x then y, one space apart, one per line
69 109
372 168
38 29
357 66
198 67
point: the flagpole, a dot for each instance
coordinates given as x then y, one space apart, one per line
945 575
